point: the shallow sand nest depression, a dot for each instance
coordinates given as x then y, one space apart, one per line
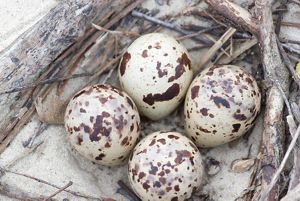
51 158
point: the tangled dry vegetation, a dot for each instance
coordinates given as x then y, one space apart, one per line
55 46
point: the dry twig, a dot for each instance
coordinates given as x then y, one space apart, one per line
238 51
273 132
204 30
53 185
201 38
291 49
60 190
291 24
104 68
18 194
295 2
218 44
238 16
124 33
289 64
282 164
46 81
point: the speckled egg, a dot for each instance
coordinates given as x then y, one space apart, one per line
221 105
102 124
156 72
165 166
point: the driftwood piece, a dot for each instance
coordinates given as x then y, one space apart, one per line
39 46
274 72
32 53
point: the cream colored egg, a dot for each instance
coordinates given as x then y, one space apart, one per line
156 72
165 166
102 124
221 105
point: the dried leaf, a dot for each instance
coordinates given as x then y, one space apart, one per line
242 165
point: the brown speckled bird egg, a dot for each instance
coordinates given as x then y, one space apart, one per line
221 105
102 124
156 72
165 166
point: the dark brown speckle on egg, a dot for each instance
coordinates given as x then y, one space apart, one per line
125 59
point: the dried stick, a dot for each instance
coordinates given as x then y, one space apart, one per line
295 2
291 49
124 33
220 42
211 52
46 81
221 54
104 68
238 16
53 185
18 194
204 30
295 173
60 190
238 51
138 14
16 125
284 40
289 64
282 164
197 47
291 24
273 131
28 143
280 17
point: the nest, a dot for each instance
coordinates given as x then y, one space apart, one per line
76 45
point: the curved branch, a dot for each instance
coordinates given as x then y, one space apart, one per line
238 17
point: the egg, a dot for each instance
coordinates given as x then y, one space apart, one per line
103 124
156 72
165 166
221 105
